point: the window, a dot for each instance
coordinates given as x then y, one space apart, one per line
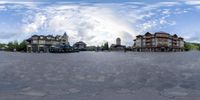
34 41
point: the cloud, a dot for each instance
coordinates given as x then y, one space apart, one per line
193 37
198 7
192 2
92 24
17 2
2 7
150 7
166 11
9 36
34 26
95 23
4 35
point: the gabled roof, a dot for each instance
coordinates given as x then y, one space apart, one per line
148 34
29 40
35 36
175 35
180 38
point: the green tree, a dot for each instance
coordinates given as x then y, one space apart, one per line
22 46
10 46
106 46
199 47
2 45
16 45
192 46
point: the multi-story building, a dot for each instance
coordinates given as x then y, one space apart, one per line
41 43
160 41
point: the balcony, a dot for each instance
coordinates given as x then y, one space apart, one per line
148 40
148 37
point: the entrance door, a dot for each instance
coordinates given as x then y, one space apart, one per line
41 49
163 49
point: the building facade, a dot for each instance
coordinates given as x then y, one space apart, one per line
117 46
158 42
80 46
41 43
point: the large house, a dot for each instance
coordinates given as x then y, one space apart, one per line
117 46
41 43
160 41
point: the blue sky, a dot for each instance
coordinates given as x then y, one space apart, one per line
98 21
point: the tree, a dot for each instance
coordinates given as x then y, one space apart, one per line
199 47
106 46
2 45
10 46
16 45
22 46
192 46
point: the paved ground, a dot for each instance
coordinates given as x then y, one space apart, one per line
100 76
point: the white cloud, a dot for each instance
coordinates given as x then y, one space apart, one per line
192 2
198 7
2 8
32 27
95 23
16 2
166 11
150 7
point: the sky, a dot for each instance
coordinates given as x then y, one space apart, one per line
98 21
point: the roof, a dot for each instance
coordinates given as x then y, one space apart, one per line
81 42
161 32
180 38
175 35
139 36
35 36
148 34
29 40
118 38
50 36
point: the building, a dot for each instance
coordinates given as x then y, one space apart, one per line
160 41
80 46
117 46
41 43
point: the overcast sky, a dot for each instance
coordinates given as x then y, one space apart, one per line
98 21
